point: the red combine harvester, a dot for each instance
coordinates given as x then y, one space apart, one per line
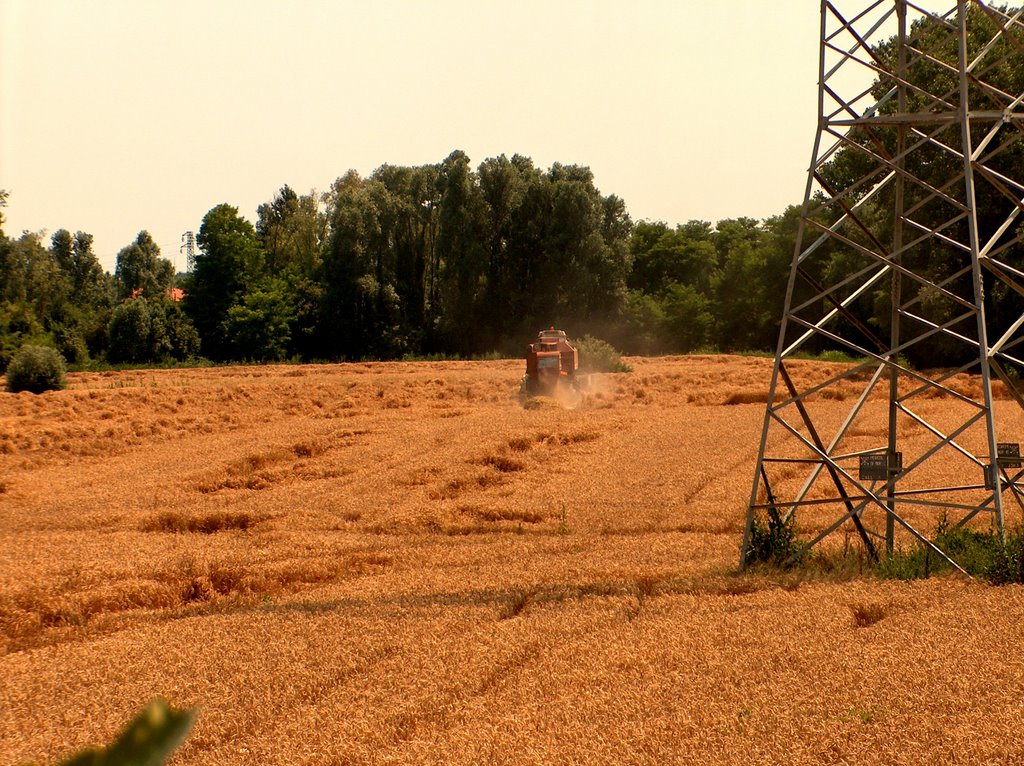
551 363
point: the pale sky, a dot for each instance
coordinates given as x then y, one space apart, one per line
117 116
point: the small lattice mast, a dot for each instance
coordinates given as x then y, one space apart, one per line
188 246
911 210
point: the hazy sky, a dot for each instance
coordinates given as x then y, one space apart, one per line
121 116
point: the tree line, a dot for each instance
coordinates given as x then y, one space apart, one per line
447 259
440 259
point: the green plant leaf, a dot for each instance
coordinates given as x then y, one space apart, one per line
147 741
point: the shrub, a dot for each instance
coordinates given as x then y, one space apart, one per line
596 355
975 550
1008 565
771 542
35 369
912 563
980 554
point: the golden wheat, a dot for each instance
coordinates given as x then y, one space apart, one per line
400 563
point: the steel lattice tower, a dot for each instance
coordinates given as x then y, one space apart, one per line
912 211
188 246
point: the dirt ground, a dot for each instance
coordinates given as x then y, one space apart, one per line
401 563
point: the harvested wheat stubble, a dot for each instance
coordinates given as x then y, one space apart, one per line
400 563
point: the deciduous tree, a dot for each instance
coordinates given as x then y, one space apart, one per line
140 271
230 262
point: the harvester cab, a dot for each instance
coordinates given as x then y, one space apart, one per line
551 363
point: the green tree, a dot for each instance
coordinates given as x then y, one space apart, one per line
89 285
503 185
688 318
33 294
640 325
31 275
685 255
460 246
182 339
131 333
229 263
751 284
359 303
258 326
18 327
442 258
583 275
407 201
141 271
679 269
556 250
81 328
156 330
291 229
997 63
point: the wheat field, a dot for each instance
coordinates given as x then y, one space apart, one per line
404 563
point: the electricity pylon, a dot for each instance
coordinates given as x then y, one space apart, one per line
912 211
188 246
